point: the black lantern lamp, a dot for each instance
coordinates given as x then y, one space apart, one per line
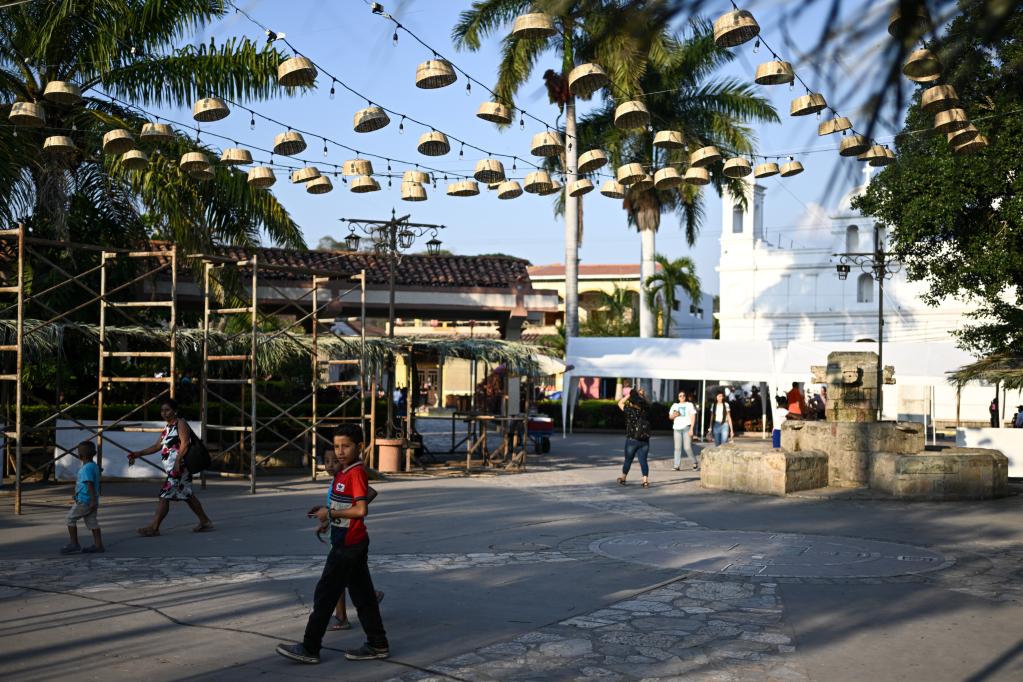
352 241
843 270
433 247
406 238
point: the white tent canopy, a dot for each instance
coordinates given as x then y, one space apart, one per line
688 359
920 364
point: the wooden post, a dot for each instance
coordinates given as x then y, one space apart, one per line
254 368
19 333
204 401
315 378
959 394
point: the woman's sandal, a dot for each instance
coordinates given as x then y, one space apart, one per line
203 527
339 624
646 484
621 480
147 532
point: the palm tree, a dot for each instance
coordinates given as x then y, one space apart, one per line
611 33
682 97
122 54
614 314
671 276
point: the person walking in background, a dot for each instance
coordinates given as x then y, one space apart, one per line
781 413
721 419
173 448
683 416
637 433
993 409
85 502
795 402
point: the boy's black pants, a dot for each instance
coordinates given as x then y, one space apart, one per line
346 567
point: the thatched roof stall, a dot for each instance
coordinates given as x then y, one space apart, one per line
1004 368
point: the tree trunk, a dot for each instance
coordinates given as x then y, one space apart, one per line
572 226
647 316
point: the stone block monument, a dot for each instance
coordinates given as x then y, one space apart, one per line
852 449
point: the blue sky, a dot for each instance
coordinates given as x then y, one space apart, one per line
355 45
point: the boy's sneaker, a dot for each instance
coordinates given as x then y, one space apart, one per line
297 652
367 653
70 549
93 550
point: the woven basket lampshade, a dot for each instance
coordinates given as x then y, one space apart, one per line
434 143
489 170
236 156
261 177
320 185
804 105
435 73
669 139
412 191
737 167
210 109
853 145
495 112
580 187
951 120
939 98
119 141
632 114
834 125
872 153
509 189
774 72
668 177
592 160
353 167
369 119
193 161
922 66
960 136
295 72
305 174
612 189
735 28
62 92
533 26
537 182
586 79
791 168
156 132
28 114
705 156
696 176
416 176
289 143
643 184
629 173
202 174
364 184
910 26
58 144
547 144
554 189
971 146
765 170
134 159
464 188
880 156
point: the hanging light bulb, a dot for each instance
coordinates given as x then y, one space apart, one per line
756 46
522 122
388 165
792 84
324 147
394 38
332 83
401 126
818 115
514 159
461 152
468 88
252 121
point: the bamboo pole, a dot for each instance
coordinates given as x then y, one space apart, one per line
204 402
18 367
254 368
102 356
315 378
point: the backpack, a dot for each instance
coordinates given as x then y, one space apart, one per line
197 458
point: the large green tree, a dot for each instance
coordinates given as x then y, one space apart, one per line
619 36
661 288
957 220
127 49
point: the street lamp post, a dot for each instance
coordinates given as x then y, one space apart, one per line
881 265
391 239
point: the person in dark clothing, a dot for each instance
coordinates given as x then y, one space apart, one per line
637 434
994 413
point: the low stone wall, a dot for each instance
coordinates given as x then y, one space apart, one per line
762 470
850 445
951 474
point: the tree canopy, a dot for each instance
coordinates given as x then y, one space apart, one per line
957 220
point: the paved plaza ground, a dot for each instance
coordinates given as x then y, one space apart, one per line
557 573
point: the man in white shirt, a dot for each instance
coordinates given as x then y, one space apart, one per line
683 416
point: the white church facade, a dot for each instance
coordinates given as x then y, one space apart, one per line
784 287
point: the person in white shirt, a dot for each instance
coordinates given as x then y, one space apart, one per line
683 416
781 413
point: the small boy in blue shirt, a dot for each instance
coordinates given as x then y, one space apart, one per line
85 502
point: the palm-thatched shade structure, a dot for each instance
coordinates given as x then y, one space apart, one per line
1003 368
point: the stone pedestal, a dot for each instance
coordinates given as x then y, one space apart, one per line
762 470
851 445
952 474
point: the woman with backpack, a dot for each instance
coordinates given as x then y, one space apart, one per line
173 446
